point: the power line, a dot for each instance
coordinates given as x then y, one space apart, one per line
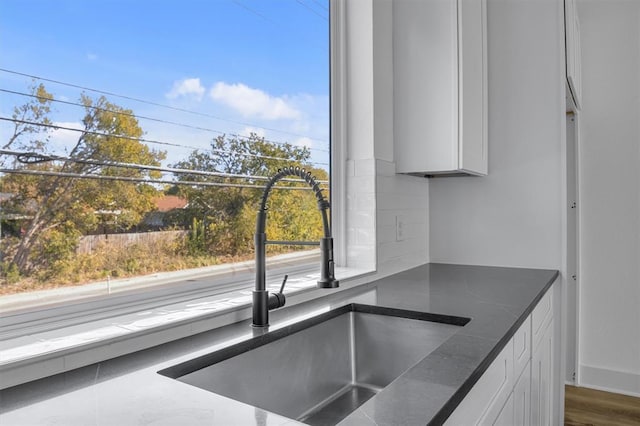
104 92
255 12
189 126
32 158
90 132
321 5
144 180
300 2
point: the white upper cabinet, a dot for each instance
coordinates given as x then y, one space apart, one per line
440 87
572 50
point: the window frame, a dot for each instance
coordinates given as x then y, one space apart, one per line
338 128
69 316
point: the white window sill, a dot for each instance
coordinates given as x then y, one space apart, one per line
27 357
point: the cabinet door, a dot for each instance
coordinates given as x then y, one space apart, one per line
485 400
522 347
440 87
505 417
522 398
473 104
542 379
541 317
572 50
425 73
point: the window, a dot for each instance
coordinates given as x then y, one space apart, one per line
135 138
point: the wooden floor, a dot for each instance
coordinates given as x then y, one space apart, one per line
591 407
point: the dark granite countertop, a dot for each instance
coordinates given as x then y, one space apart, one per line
129 391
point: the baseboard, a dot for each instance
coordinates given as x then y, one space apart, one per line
610 380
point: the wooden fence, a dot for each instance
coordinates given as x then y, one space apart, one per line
89 243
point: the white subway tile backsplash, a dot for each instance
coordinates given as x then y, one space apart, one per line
406 197
365 168
395 201
385 168
387 218
362 256
404 184
350 168
376 197
363 219
361 185
366 201
386 234
352 237
361 213
391 266
351 201
366 236
416 216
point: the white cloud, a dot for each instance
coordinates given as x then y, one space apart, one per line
64 139
246 132
186 87
304 142
253 103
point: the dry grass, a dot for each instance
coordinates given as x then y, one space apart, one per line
114 262
119 262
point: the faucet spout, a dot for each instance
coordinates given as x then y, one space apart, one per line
262 300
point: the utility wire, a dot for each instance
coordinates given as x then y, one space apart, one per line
255 12
321 5
300 2
90 132
103 92
33 158
189 126
143 180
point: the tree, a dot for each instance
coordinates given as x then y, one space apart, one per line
34 111
69 205
228 213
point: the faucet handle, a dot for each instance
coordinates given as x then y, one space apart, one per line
284 281
277 300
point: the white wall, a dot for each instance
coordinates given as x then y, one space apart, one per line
512 217
610 195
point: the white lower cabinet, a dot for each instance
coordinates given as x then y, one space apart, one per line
542 380
505 416
517 388
522 398
485 400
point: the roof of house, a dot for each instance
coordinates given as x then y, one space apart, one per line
170 202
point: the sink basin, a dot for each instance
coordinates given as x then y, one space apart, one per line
319 370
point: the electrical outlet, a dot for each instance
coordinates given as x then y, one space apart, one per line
401 228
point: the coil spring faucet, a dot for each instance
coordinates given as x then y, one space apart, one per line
262 300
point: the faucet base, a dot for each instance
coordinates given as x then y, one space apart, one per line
328 283
260 308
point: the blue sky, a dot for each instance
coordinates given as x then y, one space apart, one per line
256 65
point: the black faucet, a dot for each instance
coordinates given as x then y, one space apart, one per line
263 302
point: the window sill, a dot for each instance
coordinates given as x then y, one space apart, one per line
30 355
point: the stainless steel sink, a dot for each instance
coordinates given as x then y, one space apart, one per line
321 369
